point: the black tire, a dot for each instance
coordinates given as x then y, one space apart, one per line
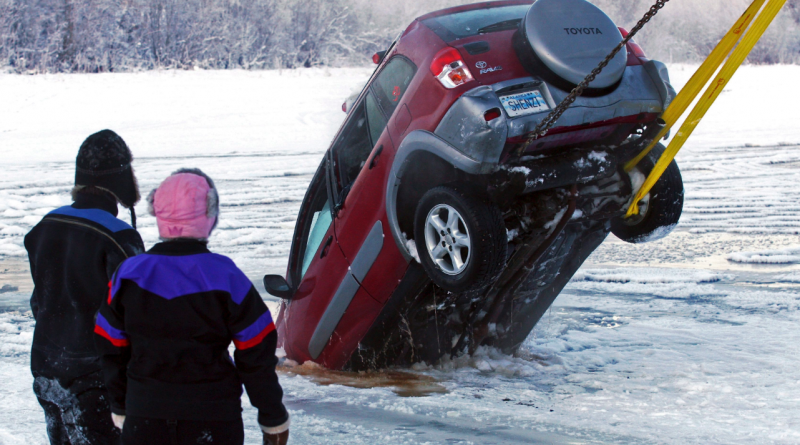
486 231
663 210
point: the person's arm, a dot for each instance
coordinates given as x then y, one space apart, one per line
131 243
114 347
255 338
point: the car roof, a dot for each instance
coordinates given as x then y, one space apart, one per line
473 6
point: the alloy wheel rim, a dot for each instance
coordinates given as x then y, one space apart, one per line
447 239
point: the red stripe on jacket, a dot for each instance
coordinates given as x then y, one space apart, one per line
255 340
114 341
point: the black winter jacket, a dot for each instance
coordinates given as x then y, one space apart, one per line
165 328
73 252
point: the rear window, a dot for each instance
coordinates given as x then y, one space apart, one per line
392 83
478 21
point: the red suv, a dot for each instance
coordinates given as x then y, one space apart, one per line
434 224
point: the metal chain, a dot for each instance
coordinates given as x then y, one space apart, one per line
550 120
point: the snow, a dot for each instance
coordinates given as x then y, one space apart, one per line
790 255
411 245
789 278
668 342
598 156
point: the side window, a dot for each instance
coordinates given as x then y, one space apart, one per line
315 224
355 143
375 118
352 147
392 82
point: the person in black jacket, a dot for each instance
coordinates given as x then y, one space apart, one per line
166 326
73 253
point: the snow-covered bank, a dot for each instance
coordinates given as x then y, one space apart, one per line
44 118
666 342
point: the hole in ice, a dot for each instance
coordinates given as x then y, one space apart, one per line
404 384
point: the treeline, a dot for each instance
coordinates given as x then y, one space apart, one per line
124 35
686 31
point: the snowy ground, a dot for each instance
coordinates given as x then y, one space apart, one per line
690 339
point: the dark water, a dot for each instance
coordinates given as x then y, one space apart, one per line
402 383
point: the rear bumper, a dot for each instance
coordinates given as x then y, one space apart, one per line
643 93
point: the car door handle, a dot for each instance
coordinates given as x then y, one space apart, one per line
375 158
326 247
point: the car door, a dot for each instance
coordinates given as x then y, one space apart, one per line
323 286
362 163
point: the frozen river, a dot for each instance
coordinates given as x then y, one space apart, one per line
691 339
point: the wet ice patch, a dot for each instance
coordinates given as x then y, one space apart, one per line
789 255
402 383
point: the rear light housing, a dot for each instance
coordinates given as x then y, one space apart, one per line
448 67
636 54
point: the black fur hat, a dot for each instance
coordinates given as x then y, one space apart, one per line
104 161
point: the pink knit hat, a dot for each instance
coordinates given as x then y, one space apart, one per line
186 205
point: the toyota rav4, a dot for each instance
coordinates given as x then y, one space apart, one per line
436 223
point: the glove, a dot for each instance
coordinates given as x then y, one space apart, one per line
276 435
276 439
118 419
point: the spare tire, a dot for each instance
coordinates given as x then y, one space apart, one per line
562 41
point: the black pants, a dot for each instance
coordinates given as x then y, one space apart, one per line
76 413
147 431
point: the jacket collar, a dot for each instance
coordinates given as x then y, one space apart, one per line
91 201
180 247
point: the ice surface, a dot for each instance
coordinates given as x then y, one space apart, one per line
789 278
661 342
790 255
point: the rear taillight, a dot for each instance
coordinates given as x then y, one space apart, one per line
633 47
636 50
450 69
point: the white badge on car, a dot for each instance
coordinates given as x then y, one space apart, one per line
482 67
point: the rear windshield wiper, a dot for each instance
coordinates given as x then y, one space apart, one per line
500 26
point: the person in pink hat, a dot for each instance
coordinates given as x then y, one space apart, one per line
165 327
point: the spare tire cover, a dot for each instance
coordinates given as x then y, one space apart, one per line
572 37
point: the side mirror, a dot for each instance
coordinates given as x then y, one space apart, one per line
276 285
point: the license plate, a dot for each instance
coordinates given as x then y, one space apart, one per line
521 104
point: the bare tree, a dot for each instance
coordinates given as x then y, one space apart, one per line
123 35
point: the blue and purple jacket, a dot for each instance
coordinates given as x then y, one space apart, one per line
164 331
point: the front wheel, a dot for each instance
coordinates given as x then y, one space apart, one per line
659 210
461 238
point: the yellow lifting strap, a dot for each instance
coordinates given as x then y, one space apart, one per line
698 80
